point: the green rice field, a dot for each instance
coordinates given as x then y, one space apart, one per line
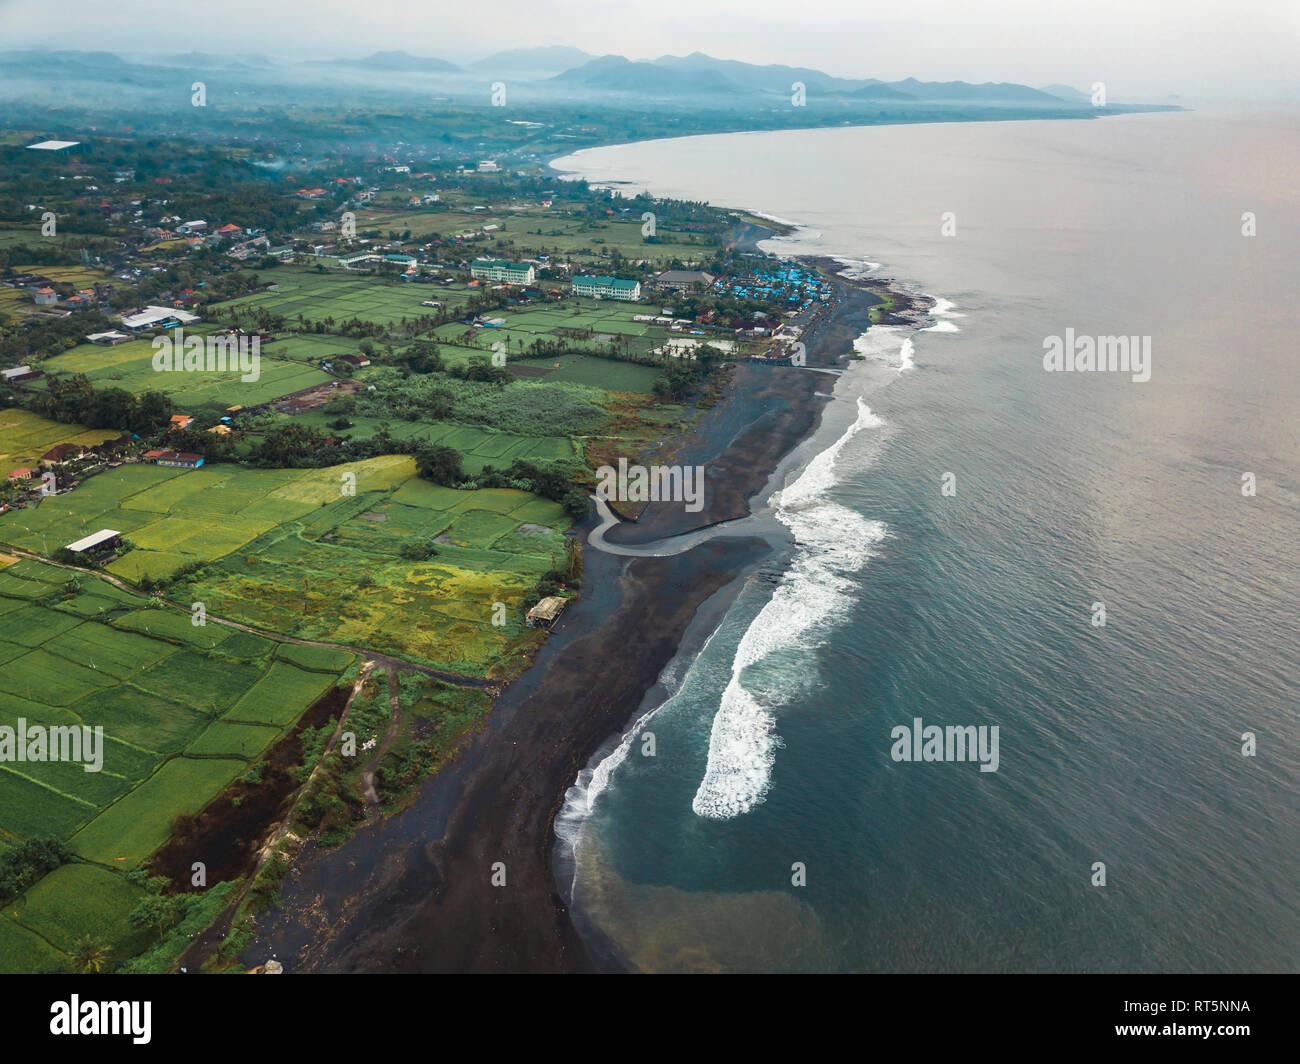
603 373
287 550
306 579
184 709
130 366
340 295
477 447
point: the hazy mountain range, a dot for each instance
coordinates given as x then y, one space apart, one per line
555 69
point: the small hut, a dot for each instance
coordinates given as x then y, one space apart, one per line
546 612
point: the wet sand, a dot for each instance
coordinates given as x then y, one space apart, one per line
415 892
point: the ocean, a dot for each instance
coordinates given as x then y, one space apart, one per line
1103 565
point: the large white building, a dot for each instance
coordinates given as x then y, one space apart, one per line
501 270
601 287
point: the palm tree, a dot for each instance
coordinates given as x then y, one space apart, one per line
89 956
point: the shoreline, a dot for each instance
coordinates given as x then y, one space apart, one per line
413 891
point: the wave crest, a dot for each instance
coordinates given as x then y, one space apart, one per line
769 668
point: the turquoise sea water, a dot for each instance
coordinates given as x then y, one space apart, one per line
1120 744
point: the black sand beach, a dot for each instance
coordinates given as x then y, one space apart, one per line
414 892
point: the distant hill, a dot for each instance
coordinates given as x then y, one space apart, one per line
62 57
756 78
547 59
676 82
988 92
1065 92
400 62
880 91
672 75
615 73
199 60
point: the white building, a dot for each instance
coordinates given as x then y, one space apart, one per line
601 287
501 270
152 317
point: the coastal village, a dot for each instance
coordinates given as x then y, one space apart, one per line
660 306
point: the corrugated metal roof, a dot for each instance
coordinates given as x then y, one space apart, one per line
93 540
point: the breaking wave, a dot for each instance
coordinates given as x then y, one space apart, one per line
855 269
770 664
888 344
942 310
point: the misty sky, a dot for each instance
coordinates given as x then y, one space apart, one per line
1142 49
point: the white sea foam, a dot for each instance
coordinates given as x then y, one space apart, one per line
888 344
774 218
905 355
856 269
581 797
600 775
942 310
831 542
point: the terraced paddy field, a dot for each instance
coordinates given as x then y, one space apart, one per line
339 295
25 436
184 709
288 551
130 366
339 575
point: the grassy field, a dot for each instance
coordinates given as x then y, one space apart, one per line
537 229
24 437
74 901
478 447
177 517
341 295
608 321
18 301
81 276
597 372
130 366
184 710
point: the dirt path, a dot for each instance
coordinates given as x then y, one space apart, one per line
390 733
209 941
